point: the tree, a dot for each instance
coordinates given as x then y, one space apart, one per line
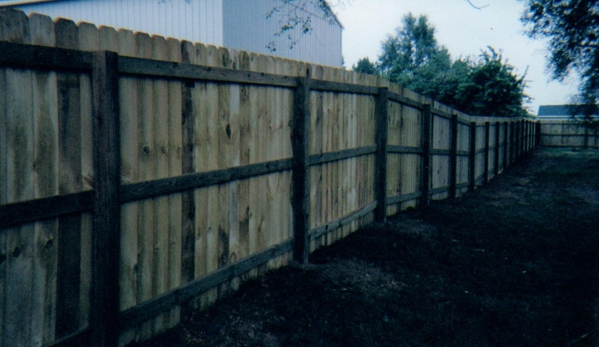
490 87
364 65
572 27
487 85
295 18
413 47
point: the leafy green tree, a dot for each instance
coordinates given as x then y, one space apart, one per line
364 65
484 86
491 87
412 52
572 27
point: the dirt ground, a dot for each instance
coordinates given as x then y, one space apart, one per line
512 264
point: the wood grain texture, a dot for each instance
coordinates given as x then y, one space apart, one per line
147 163
69 236
104 296
301 175
19 146
130 152
175 168
161 222
46 185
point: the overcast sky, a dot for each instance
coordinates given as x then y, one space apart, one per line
463 30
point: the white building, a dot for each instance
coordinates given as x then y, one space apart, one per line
239 24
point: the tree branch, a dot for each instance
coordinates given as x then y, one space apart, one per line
476 7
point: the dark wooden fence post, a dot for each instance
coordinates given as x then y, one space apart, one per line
538 133
487 145
301 175
104 296
516 140
453 174
520 137
505 145
472 159
427 116
382 134
497 144
512 142
528 136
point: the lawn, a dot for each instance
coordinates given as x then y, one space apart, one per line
513 264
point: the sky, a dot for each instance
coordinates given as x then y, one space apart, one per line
463 30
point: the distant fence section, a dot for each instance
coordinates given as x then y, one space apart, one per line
142 177
566 133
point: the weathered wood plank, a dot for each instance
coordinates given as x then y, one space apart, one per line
45 119
147 162
69 235
426 154
301 177
160 221
339 223
233 148
161 303
341 87
14 214
255 156
486 173
453 165
497 148
20 55
20 147
319 159
246 132
382 134
316 148
154 68
472 159
130 158
406 101
403 198
4 254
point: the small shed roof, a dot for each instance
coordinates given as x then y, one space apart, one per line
555 110
560 112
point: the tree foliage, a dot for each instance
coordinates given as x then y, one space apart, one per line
572 27
490 87
486 85
364 65
295 18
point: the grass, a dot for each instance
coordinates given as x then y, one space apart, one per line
512 264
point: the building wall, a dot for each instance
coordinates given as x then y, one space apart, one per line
238 24
192 20
247 28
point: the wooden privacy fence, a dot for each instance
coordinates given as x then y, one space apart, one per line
143 176
566 133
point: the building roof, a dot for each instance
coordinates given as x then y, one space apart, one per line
330 10
555 110
22 2
561 112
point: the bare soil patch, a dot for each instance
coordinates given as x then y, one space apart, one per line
512 264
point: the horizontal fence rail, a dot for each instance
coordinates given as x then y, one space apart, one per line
145 177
